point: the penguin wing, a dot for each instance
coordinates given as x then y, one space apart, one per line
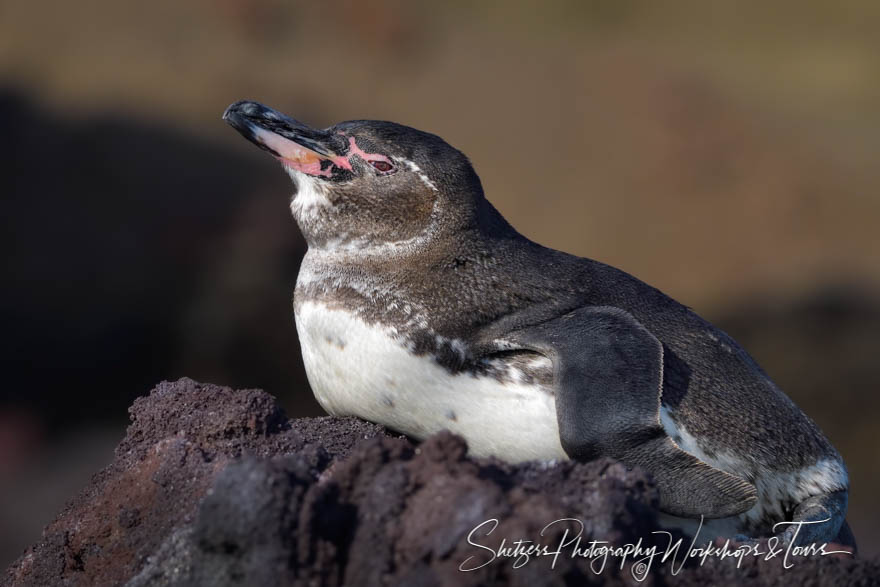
608 376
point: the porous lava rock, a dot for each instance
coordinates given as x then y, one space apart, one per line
214 486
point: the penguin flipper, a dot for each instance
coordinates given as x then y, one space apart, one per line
608 376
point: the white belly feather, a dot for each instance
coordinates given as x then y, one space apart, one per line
364 370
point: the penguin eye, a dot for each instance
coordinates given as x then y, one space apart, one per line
382 166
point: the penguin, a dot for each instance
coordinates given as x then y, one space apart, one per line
420 308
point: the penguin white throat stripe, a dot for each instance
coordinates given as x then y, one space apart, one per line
420 308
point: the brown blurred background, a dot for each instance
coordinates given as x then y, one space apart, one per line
723 152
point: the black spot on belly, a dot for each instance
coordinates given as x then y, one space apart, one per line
337 342
386 399
451 415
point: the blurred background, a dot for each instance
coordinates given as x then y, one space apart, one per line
725 152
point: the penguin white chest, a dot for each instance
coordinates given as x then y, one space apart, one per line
365 370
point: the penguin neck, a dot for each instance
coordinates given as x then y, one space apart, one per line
490 224
450 226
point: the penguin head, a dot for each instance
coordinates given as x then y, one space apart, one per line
366 184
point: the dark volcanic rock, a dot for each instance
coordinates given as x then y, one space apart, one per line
182 436
213 486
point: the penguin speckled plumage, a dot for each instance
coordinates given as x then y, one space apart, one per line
420 308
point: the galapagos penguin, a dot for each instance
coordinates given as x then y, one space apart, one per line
419 307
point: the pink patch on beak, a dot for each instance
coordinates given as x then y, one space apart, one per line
292 154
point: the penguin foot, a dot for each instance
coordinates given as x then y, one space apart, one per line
816 520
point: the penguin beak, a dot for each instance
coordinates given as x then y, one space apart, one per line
295 144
